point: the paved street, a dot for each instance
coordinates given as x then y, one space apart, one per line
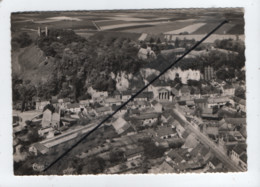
206 141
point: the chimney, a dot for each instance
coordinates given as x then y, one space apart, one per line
39 31
46 31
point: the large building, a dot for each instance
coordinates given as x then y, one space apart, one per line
209 73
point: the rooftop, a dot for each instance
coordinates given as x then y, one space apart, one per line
236 121
185 89
175 156
243 157
202 100
164 131
112 100
103 109
148 95
228 86
147 116
41 148
127 92
73 105
215 161
218 99
240 148
121 125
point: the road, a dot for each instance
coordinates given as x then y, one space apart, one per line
219 153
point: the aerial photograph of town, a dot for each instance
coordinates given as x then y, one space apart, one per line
91 94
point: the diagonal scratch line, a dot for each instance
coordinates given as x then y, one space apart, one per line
136 94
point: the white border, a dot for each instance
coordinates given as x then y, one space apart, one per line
250 178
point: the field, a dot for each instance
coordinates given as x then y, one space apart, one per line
188 29
136 21
161 28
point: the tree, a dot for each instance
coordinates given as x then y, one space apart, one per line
23 40
116 156
94 166
152 40
151 151
176 144
240 92
158 41
26 91
177 42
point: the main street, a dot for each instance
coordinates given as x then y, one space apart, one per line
219 153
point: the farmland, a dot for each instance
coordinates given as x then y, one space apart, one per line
161 28
189 29
139 21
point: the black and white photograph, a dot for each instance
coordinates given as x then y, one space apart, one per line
150 91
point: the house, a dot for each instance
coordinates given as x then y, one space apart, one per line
195 93
184 91
236 121
97 96
121 112
157 106
46 131
239 156
179 128
215 163
103 110
41 104
165 167
190 103
176 51
228 90
205 153
201 103
126 95
38 148
207 113
121 125
242 105
50 118
217 101
226 139
197 122
145 54
144 96
141 104
63 103
175 92
211 130
220 83
165 132
178 156
191 141
47 117
54 102
183 99
147 119
112 101
166 116
55 120
117 95
84 103
74 107
133 154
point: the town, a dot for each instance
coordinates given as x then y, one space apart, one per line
190 120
